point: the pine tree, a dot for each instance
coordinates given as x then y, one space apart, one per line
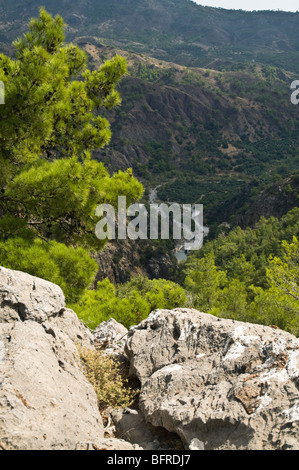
50 185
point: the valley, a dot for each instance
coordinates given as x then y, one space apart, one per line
206 112
203 136
206 115
157 336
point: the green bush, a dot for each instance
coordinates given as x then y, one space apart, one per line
71 268
130 303
249 275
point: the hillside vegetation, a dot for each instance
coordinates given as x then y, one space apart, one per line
225 137
206 104
174 30
248 275
203 135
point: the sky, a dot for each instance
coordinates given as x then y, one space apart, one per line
249 5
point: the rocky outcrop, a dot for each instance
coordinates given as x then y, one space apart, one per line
215 383
46 403
130 424
219 384
121 260
108 444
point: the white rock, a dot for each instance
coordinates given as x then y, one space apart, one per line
45 400
217 383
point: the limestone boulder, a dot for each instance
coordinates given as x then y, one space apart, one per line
219 384
45 400
24 297
109 444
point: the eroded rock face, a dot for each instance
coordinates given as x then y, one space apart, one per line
45 400
131 425
217 383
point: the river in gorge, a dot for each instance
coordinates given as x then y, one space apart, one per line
183 247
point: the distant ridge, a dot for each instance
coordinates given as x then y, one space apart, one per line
175 30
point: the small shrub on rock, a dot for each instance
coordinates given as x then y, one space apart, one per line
104 374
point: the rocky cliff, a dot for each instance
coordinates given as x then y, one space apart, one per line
206 383
122 259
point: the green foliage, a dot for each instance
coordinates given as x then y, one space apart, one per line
232 301
249 275
71 268
50 114
284 273
129 303
150 73
273 307
205 282
49 184
251 247
158 293
102 303
59 198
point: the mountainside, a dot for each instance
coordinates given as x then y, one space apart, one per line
203 136
226 137
175 30
206 115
